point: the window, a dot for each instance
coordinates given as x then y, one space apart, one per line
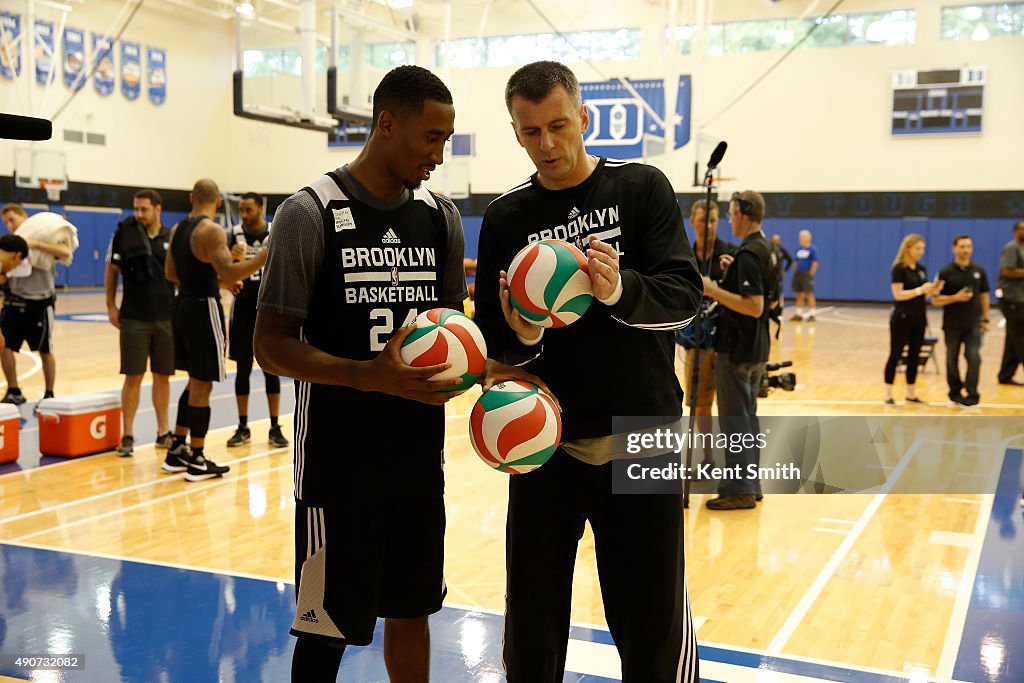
981 22
383 56
896 27
615 45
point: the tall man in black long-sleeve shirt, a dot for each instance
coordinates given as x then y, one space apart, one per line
615 360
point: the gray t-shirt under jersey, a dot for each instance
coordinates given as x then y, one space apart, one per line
297 250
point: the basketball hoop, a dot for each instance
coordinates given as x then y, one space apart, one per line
53 189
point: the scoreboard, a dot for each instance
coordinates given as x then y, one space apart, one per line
938 102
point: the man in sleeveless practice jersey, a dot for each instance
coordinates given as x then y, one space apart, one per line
200 264
356 255
248 239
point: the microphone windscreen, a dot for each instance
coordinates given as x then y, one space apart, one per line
716 156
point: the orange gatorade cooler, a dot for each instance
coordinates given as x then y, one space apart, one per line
10 423
79 425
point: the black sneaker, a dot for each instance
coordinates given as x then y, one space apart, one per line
971 401
164 440
177 459
15 399
276 438
127 446
240 437
199 468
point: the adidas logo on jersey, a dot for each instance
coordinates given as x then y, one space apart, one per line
575 212
390 237
310 616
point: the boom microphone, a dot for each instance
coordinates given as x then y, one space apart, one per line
716 156
14 127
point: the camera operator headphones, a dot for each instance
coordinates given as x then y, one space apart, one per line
746 206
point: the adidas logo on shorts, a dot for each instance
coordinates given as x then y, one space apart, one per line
390 237
310 616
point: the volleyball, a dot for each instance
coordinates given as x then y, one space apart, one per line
549 284
444 335
514 427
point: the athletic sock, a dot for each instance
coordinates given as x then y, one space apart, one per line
273 420
177 442
243 421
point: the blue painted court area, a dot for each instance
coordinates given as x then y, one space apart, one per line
992 648
140 623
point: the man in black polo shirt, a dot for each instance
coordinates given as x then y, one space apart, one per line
742 342
964 302
137 253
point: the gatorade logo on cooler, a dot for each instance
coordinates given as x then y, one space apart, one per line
98 427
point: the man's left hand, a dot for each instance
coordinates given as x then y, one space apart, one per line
495 373
603 267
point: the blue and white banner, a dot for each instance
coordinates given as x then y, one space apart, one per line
103 63
131 70
45 63
74 58
156 74
683 100
10 47
619 120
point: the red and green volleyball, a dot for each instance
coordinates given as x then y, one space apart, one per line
515 427
444 335
549 284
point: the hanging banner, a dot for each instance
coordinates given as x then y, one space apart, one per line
44 51
131 70
621 118
156 74
103 61
10 48
74 58
683 99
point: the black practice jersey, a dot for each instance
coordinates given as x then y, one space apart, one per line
617 359
380 269
195 278
254 244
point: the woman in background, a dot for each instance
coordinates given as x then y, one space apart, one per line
910 290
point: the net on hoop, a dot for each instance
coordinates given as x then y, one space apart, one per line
53 188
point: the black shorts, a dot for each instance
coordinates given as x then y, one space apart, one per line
242 329
384 561
803 281
30 322
142 340
199 338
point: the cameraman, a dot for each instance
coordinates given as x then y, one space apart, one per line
742 343
708 249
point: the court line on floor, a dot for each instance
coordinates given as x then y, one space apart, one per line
128 489
798 614
962 603
935 404
189 490
37 365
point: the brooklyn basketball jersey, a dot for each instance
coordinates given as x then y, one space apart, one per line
380 270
